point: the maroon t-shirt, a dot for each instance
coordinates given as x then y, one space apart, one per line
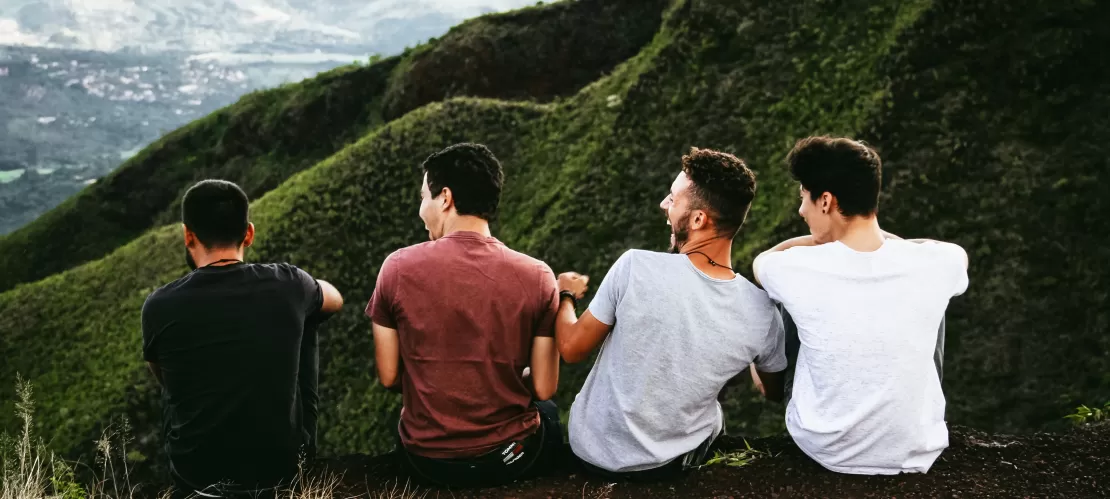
466 309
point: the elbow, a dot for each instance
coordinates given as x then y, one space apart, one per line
544 392
566 352
571 356
388 381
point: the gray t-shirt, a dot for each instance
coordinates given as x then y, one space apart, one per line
678 336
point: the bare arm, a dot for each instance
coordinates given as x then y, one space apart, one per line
578 337
333 301
387 355
544 367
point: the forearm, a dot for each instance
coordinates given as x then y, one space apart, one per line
565 322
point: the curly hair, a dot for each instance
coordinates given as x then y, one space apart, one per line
472 173
848 169
723 186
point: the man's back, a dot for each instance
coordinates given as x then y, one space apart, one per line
678 336
866 396
228 343
466 309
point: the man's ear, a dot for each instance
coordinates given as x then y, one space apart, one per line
700 221
827 203
447 198
190 237
249 239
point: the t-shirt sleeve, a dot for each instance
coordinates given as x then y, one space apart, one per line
952 260
381 309
313 295
769 273
609 294
772 357
549 304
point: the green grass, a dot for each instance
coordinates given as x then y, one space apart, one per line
987 116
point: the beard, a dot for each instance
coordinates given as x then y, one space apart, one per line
189 260
680 233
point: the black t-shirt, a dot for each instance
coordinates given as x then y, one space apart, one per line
237 351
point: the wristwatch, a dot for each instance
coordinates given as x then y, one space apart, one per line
568 294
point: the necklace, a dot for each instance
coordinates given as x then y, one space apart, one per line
711 262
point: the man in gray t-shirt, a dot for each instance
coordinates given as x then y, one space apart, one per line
673 330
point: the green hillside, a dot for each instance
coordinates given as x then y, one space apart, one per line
267 136
987 117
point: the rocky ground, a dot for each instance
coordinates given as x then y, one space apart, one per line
977 464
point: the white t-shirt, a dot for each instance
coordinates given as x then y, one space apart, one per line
866 397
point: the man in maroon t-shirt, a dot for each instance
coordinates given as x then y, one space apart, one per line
457 322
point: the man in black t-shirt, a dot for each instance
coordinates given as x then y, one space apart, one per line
234 347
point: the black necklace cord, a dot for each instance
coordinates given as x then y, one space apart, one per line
711 262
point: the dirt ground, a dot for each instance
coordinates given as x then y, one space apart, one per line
976 464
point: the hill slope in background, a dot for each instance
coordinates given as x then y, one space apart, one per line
267 136
986 117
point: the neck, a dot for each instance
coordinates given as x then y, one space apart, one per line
467 223
861 234
714 248
211 256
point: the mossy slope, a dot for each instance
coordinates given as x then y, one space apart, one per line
994 146
269 135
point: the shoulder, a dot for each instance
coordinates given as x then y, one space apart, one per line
936 251
754 296
416 254
637 257
281 271
164 296
528 263
798 256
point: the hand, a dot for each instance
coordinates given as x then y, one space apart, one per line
574 282
756 381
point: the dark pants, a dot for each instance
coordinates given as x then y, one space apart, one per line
511 461
793 344
672 470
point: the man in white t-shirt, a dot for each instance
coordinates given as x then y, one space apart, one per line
867 305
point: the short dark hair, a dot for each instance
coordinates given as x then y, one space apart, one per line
217 212
472 173
849 170
723 186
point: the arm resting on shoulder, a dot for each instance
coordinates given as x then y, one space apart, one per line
577 337
387 355
333 301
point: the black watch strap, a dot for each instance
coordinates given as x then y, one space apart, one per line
568 294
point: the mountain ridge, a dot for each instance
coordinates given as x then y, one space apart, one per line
967 138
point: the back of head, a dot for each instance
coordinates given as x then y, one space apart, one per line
722 185
472 173
217 212
848 169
